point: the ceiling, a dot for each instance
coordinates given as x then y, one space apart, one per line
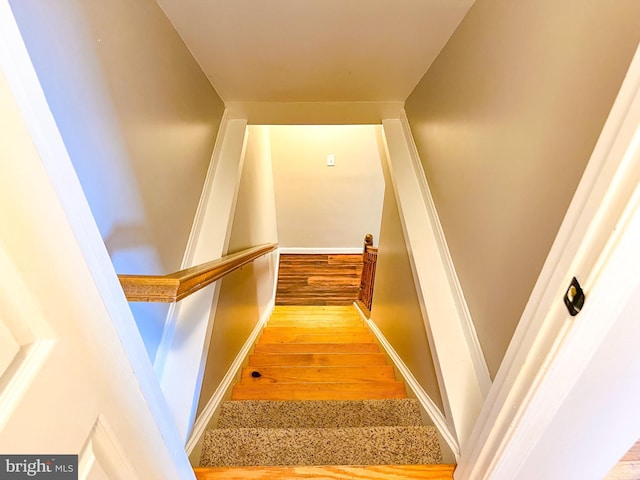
315 50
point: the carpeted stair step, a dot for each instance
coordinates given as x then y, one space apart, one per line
319 414
319 391
321 446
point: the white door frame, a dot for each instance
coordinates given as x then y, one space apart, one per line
550 357
134 427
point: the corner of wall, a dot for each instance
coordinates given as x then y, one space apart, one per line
458 358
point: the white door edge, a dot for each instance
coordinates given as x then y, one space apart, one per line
105 313
604 193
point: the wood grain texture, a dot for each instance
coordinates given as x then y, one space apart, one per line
628 468
176 286
344 310
317 359
268 337
316 348
318 279
314 329
299 357
372 472
277 374
314 320
370 259
335 323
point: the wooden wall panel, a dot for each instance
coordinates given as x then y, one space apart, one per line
318 279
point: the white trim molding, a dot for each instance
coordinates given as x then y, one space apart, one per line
438 418
319 250
464 315
314 113
460 366
551 354
182 358
170 322
214 402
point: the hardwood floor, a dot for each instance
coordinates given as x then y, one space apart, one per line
628 468
317 353
318 279
387 472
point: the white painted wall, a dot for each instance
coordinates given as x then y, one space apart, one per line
396 308
505 120
75 375
246 294
565 398
326 207
461 371
139 120
183 351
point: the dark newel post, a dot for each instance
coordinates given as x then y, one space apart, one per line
369 259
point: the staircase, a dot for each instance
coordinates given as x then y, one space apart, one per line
318 400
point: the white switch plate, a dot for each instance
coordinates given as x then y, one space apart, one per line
331 160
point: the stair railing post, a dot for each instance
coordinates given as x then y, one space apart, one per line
369 259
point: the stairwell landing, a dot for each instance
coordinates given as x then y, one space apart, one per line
318 400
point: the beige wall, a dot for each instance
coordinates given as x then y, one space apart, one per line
326 207
505 121
246 293
139 120
395 308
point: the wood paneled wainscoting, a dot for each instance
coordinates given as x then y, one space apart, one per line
332 279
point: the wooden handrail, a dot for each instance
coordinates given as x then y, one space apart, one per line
176 286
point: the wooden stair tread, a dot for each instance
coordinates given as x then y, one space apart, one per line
316 348
317 353
267 337
329 311
387 472
319 391
322 322
342 311
313 329
317 359
277 374
315 319
312 308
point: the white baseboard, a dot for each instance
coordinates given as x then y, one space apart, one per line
214 402
439 420
320 250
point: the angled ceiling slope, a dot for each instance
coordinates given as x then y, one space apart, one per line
315 50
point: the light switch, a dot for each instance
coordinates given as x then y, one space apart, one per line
331 160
